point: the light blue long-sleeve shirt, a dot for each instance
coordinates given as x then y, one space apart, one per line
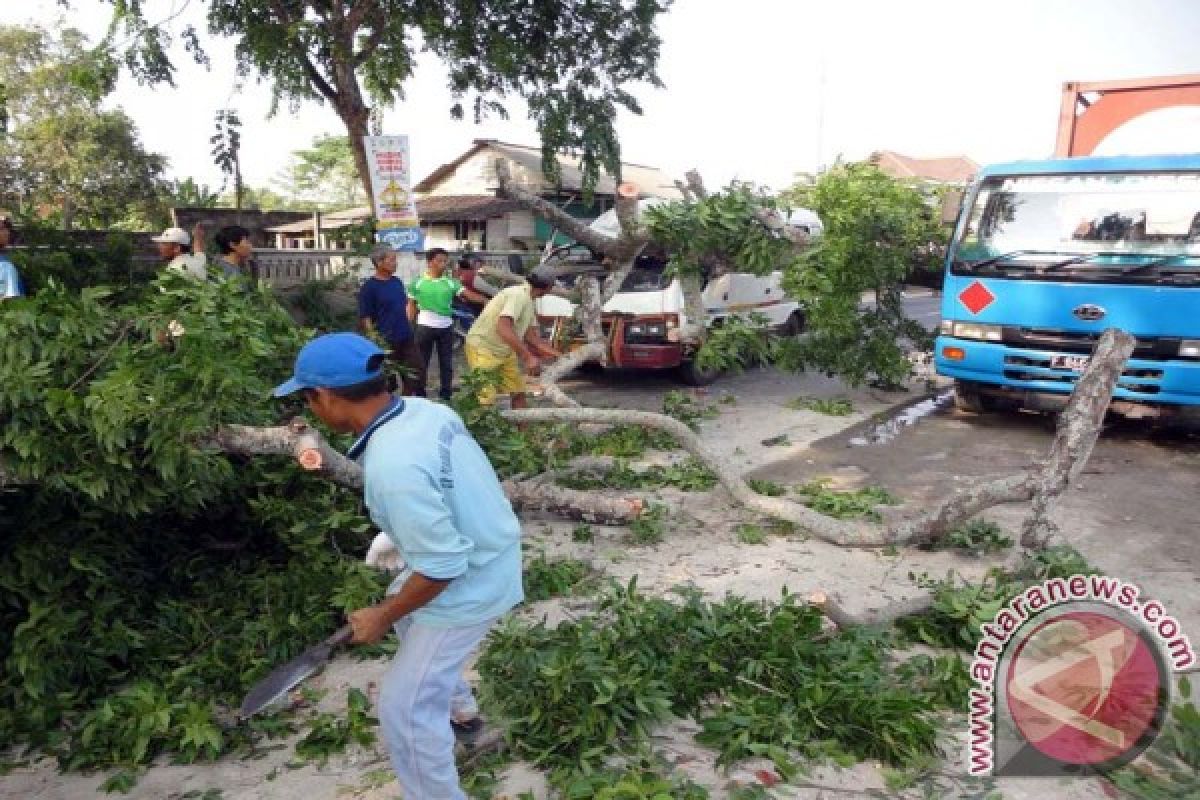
10 281
431 489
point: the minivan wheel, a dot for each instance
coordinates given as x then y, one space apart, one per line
691 374
794 325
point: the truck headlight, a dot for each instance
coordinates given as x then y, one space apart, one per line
974 330
1189 348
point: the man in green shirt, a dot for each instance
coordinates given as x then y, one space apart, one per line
429 308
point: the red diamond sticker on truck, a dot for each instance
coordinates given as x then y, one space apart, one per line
976 297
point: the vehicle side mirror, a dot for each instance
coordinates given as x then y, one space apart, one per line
951 204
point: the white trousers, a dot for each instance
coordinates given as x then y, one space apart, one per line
421 689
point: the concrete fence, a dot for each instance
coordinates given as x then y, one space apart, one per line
285 268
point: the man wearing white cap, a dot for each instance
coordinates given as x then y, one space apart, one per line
175 247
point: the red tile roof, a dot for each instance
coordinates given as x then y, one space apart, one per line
955 169
439 208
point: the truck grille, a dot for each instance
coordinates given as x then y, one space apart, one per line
1150 348
1037 368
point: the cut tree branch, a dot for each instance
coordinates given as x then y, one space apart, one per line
823 527
592 351
625 205
771 220
1078 427
831 606
309 448
576 229
318 80
618 249
696 184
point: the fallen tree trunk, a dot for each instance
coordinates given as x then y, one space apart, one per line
1078 427
821 526
312 452
831 606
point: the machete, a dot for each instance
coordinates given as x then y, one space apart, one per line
291 674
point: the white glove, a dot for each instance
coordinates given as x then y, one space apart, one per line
383 554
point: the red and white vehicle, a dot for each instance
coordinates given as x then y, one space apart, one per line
644 319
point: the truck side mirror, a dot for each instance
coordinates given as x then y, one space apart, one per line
951 204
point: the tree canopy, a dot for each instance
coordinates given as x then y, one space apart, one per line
324 175
572 61
61 158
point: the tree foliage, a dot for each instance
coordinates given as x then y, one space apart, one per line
324 175
877 231
147 579
62 158
226 144
186 193
570 61
720 233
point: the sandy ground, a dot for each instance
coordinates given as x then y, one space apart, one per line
701 548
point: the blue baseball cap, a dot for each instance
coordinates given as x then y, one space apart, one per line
332 361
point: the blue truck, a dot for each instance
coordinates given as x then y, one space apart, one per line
1048 254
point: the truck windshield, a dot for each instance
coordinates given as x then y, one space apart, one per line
646 280
1126 227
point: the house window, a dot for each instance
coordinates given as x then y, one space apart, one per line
470 230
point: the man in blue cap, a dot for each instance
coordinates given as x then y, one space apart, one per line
430 487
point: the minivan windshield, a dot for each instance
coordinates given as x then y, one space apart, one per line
646 280
1138 226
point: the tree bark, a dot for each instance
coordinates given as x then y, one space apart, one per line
1077 432
693 308
831 606
615 248
823 527
356 117
696 184
310 449
1078 427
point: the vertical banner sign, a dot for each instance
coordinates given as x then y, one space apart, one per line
391 183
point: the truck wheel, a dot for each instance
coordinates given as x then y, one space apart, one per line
968 399
693 375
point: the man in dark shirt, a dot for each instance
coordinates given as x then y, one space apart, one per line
233 242
383 305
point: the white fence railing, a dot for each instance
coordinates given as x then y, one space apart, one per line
286 268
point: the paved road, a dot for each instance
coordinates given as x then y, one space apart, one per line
924 307
1132 513
920 304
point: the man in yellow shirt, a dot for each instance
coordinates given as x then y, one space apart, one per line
506 331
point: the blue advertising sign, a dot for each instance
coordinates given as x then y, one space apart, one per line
406 240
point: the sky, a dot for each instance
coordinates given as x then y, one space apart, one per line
756 90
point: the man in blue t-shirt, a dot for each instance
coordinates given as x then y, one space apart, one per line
429 486
10 281
383 307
